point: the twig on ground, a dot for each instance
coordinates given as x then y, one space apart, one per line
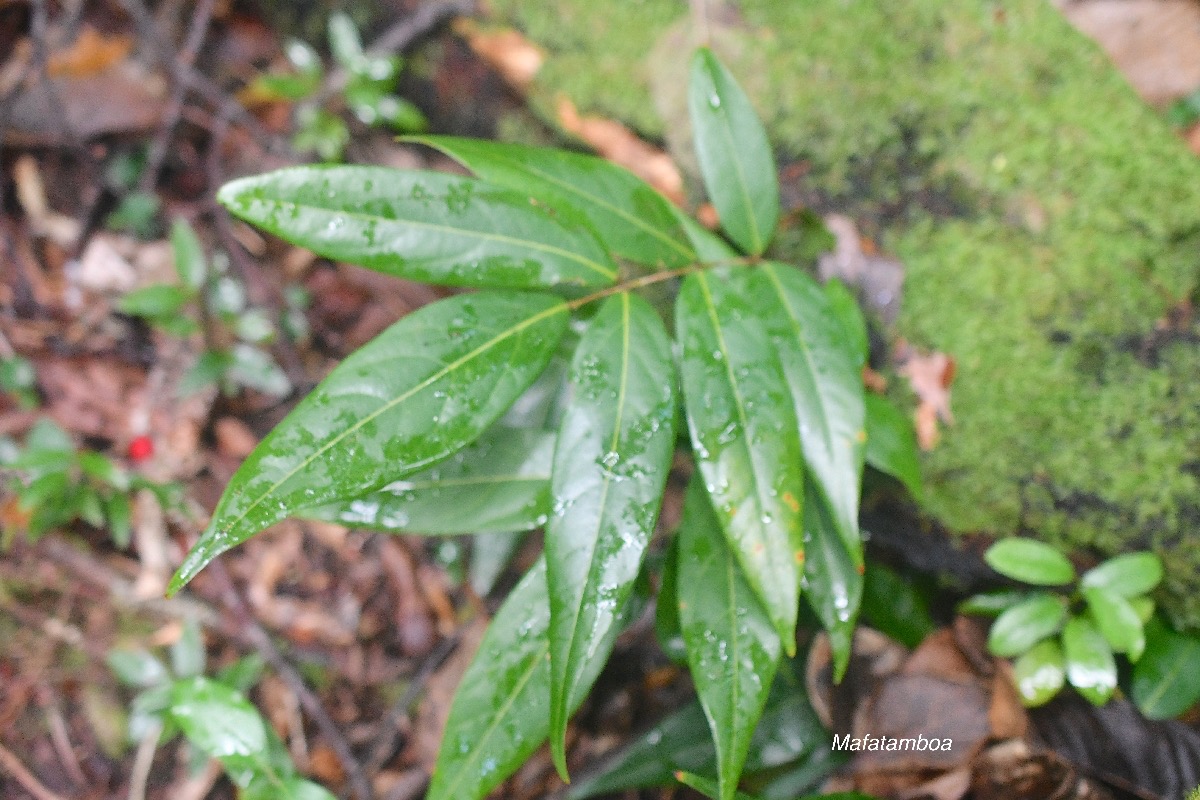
142 762
256 635
11 764
157 152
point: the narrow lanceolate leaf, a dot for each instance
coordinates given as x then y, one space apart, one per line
417 393
1030 561
500 713
734 154
424 226
1166 682
746 439
610 467
892 443
833 581
827 390
1117 620
733 648
499 483
1090 665
1127 575
632 219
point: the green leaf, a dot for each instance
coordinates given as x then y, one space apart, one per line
253 368
833 582
490 554
1030 561
992 604
159 300
707 787
119 517
735 156
417 393
424 226
501 712
1090 665
103 470
136 668
746 439
894 606
1040 673
1127 575
1025 624
892 443
499 483
187 652
610 468
188 254
666 611
293 788
826 386
1117 621
1165 681
710 248
344 40
217 719
1143 606
849 314
733 649
633 220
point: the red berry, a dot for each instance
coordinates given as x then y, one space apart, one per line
141 448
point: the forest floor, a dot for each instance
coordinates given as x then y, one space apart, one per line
119 117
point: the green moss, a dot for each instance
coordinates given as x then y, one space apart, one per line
1048 221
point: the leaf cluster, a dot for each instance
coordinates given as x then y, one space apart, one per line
1060 638
53 484
208 298
558 395
213 715
368 91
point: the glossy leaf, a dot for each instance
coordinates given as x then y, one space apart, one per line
833 582
896 607
666 610
847 311
1090 665
892 443
733 649
498 483
633 220
1143 606
217 719
1117 620
710 248
610 468
424 226
1040 673
826 385
490 554
1030 561
746 439
735 156
1166 682
707 787
188 254
158 300
136 668
501 712
417 393
992 604
1025 624
1127 575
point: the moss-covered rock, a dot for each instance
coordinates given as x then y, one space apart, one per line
1049 222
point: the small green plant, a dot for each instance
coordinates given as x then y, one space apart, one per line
205 294
19 379
368 92
213 715
555 397
1060 637
52 484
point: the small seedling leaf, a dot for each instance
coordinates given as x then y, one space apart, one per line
1091 667
1127 575
1025 624
1040 673
1030 562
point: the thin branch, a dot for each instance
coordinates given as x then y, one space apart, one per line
28 781
658 277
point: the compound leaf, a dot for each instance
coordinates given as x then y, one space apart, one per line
733 648
496 484
745 437
500 714
417 393
633 220
424 226
827 390
735 156
610 467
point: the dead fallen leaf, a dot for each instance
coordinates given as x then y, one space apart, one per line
856 261
31 193
91 52
102 268
1193 138
508 52
618 144
930 375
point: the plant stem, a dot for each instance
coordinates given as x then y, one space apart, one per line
658 277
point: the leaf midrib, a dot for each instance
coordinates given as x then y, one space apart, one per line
727 130
531 244
449 368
